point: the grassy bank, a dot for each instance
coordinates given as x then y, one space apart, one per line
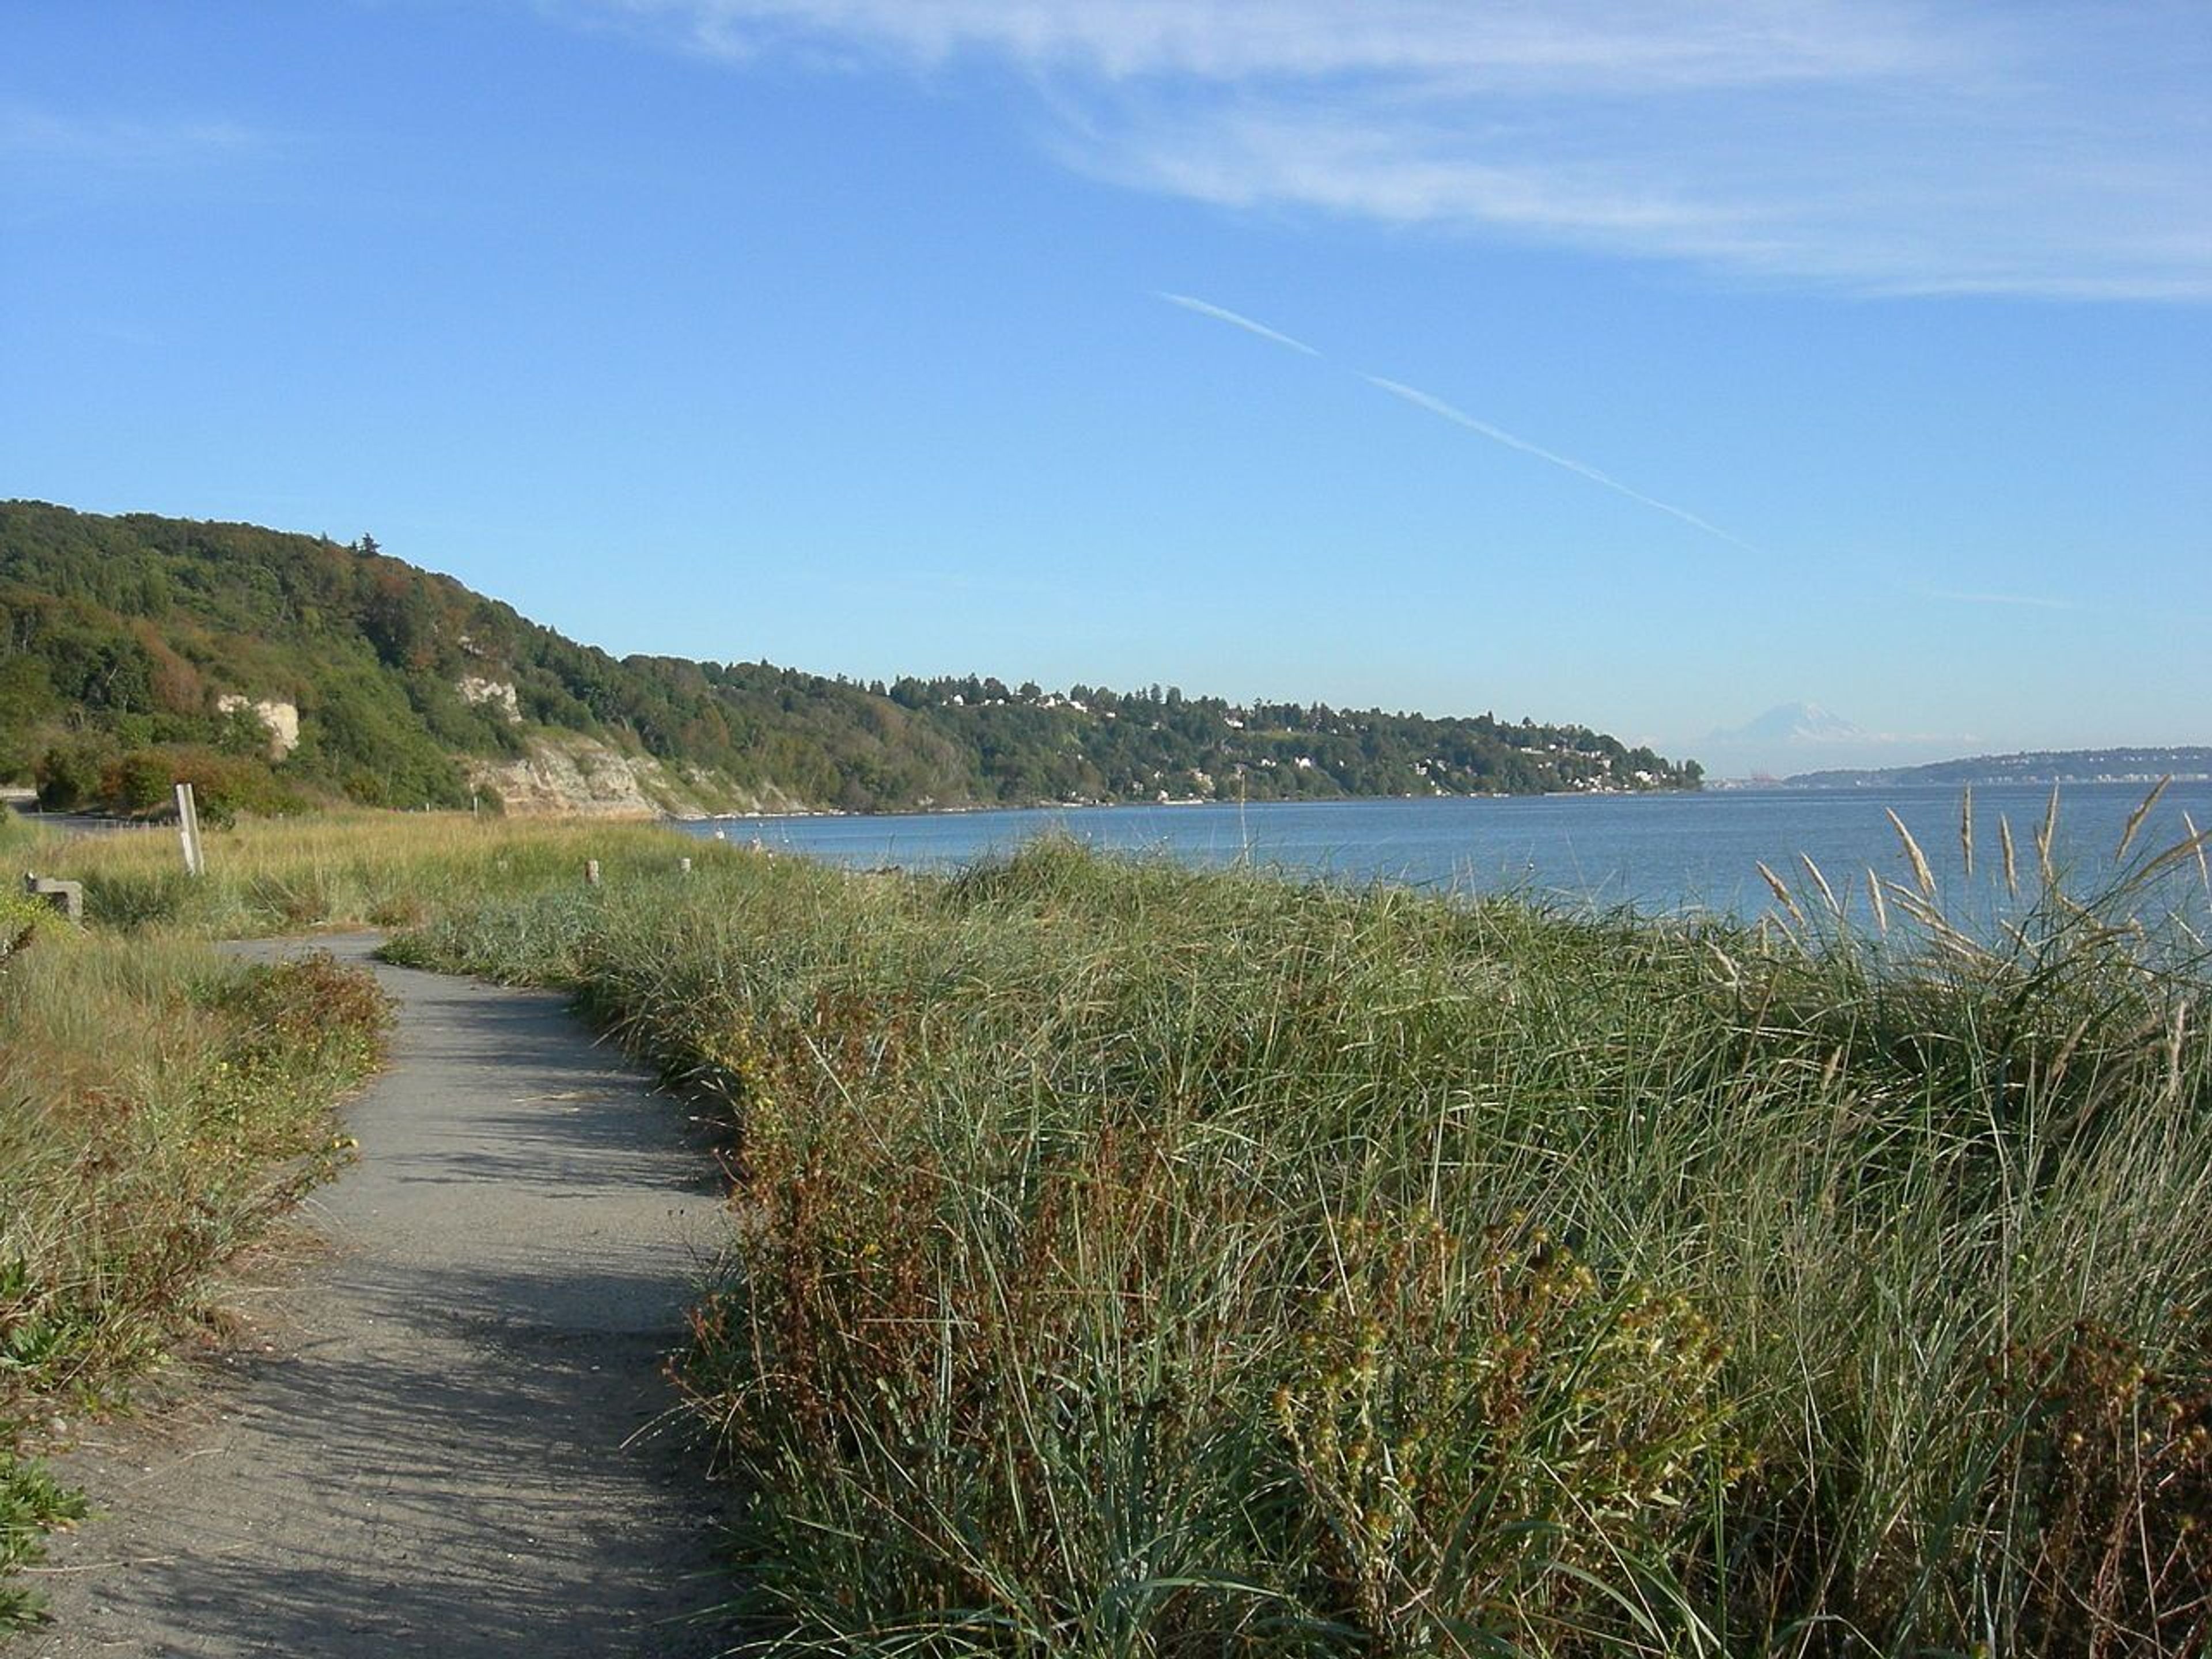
1141 1262
158 1104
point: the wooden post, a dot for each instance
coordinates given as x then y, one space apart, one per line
591 872
683 865
188 830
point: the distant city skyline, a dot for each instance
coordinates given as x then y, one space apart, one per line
1583 362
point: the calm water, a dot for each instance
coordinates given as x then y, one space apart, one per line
1658 853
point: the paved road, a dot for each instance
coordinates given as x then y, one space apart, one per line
439 1436
75 824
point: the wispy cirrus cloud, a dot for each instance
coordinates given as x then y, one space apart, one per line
1881 146
1623 44
33 136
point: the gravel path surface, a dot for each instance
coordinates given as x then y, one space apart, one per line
439 1435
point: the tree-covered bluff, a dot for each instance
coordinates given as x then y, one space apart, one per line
1094 743
275 669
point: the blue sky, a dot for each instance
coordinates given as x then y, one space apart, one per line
1572 359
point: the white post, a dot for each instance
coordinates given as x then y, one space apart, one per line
591 872
188 829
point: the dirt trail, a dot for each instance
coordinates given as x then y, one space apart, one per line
439 1438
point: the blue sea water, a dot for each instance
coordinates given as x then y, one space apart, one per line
1659 854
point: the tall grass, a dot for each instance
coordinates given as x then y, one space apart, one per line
358 868
1140 1261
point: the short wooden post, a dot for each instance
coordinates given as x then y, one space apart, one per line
591 872
188 829
685 866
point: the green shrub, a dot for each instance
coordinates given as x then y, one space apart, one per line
71 776
143 782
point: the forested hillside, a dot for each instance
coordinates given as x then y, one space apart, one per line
1095 743
276 669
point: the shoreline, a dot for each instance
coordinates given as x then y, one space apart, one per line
1178 802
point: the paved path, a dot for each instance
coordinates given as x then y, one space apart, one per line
440 1436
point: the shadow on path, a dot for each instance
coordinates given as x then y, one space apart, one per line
454 1435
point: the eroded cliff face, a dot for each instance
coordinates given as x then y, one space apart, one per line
476 689
575 776
279 719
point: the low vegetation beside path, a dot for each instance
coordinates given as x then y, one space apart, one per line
159 1103
1140 1261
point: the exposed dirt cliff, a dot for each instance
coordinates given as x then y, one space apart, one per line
570 775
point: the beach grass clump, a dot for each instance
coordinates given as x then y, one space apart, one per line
158 1104
1133 1261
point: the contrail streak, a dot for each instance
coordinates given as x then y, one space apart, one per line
1421 399
1223 314
1498 435
2028 599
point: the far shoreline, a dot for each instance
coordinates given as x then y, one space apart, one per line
1162 806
